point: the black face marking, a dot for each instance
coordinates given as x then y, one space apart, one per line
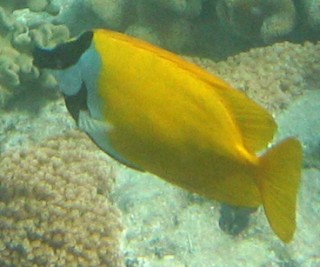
63 55
77 102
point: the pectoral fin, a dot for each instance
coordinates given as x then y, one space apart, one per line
98 131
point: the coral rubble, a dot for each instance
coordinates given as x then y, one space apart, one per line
55 208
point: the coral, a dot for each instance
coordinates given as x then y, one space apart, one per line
185 8
144 32
311 8
110 12
302 120
17 40
33 5
175 36
55 208
178 36
47 35
166 23
37 5
274 76
93 13
258 19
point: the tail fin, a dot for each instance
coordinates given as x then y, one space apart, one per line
278 182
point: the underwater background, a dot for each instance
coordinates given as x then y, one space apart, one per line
63 202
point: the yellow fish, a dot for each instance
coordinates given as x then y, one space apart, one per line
155 112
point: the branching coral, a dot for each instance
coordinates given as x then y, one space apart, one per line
17 72
273 75
258 19
54 206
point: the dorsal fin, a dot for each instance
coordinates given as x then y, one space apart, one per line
256 124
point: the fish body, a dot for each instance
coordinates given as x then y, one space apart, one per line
170 122
155 112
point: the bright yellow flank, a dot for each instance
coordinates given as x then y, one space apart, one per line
190 128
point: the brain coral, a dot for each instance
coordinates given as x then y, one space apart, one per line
54 206
272 75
